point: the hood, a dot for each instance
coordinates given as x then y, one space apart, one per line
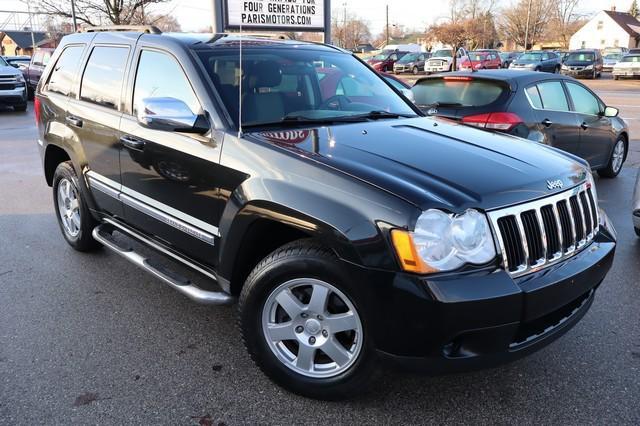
627 64
441 58
9 70
525 61
579 63
435 162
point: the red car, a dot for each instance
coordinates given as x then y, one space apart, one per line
482 61
383 62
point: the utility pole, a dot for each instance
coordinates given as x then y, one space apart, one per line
73 15
33 41
216 17
526 31
344 26
387 25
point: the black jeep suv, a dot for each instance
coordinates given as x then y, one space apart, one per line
349 227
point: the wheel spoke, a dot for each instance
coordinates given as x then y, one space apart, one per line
66 188
319 298
75 205
280 332
75 216
341 322
292 306
306 355
334 350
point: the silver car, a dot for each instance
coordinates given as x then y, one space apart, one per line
636 206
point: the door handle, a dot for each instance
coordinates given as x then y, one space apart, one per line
74 121
546 122
132 142
584 125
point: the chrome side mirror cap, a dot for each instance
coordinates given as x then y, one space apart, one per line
611 112
170 114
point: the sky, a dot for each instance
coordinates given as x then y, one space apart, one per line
194 15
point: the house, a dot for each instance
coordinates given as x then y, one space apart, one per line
21 42
608 28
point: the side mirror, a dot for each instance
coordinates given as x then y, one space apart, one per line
15 65
408 94
611 112
170 114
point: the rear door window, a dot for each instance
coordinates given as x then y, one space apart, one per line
451 90
103 75
64 73
553 96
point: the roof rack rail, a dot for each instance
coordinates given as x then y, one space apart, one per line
149 29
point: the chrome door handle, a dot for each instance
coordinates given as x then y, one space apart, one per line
132 142
546 122
584 126
74 121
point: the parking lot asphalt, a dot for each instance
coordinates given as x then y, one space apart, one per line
91 339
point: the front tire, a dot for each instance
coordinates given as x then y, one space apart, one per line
618 154
72 212
415 70
303 323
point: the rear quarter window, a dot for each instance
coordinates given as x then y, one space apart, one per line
64 73
468 93
103 76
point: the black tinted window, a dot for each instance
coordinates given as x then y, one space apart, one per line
102 79
457 90
553 97
64 73
160 76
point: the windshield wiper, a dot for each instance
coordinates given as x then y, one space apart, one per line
376 115
301 119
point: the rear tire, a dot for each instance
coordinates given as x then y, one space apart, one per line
618 155
307 278
74 218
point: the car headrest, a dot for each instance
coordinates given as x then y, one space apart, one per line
267 74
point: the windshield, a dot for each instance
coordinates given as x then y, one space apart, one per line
580 57
477 56
3 62
444 53
280 84
530 57
613 56
631 59
410 57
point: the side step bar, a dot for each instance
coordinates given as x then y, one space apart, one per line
103 234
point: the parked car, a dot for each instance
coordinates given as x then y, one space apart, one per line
402 86
34 70
13 91
629 66
350 228
583 63
537 61
508 58
411 62
562 54
610 60
383 62
479 60
442 60
635 212
363 48
550 109
17 61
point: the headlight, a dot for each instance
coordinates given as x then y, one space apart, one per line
20 78
564 67
443 242
588 67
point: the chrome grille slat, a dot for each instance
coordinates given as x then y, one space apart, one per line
526 234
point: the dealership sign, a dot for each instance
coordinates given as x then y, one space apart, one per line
278 15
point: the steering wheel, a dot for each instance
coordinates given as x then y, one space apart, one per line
335 102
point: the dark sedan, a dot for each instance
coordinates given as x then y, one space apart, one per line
537 61
552 109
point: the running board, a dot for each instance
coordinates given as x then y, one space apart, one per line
103 234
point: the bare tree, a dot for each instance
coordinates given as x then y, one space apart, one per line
454 34
93 12
565 20
352 32
513 23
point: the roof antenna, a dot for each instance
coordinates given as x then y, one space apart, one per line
240 88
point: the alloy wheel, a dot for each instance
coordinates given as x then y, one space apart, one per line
617 156
69 207
312 327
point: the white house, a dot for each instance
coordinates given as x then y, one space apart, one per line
608 28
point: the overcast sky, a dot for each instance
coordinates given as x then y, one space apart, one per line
196 14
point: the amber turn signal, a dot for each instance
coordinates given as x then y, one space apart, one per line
407 254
